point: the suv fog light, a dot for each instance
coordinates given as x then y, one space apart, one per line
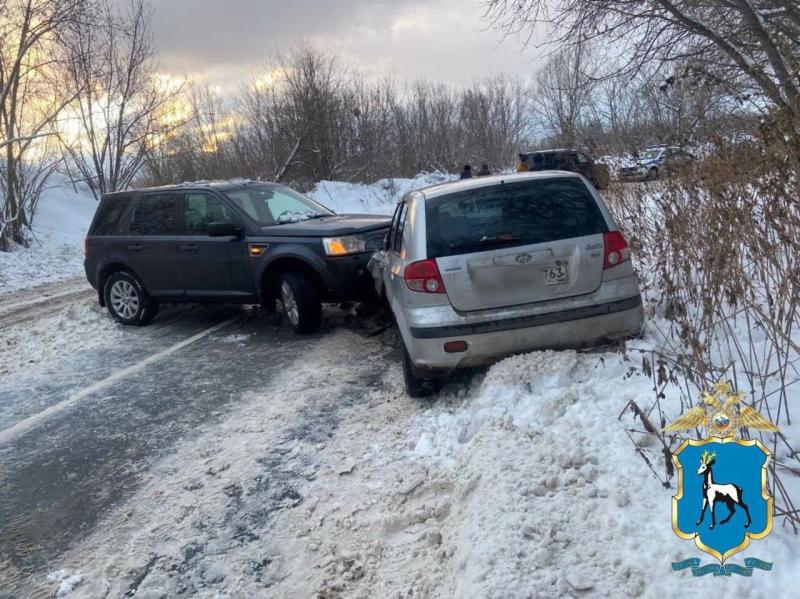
454 347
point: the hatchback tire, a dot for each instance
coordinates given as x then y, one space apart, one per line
301 303
417 386
127 299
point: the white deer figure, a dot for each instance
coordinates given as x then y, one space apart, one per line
712 492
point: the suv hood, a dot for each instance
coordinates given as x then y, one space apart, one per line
336 224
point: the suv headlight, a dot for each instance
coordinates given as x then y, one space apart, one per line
341 246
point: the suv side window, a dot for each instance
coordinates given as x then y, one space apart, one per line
154 215
200 210
581 158
109 215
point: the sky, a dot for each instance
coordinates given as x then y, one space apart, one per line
229 41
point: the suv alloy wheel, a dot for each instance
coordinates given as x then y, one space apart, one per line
127 299
301 303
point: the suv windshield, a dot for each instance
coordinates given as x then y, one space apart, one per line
651 154
509 215
275 204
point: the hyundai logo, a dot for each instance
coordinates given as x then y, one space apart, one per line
523 258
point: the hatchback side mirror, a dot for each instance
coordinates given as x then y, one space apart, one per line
224 229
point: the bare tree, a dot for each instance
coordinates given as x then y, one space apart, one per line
32 96
564 88
111 70
755 41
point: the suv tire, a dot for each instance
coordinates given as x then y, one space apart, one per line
652 174
416 386
301 303
127 300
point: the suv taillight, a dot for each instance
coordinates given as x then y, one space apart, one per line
423 276
616 249
85 247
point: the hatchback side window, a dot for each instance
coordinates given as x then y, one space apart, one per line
397 242
154 215
393 227
200 210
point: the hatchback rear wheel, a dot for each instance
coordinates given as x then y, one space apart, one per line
127 300
416 385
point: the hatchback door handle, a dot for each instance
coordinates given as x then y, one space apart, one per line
135 247
188 247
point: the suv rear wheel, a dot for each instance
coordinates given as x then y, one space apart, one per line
301 303
127 300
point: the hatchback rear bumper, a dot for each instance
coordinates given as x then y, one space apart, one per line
488 340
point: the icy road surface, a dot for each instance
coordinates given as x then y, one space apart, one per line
216 454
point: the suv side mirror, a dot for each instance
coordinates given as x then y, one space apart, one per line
224 229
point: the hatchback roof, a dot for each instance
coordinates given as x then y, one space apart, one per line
479 182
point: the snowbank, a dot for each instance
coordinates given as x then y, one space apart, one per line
377 198
62 219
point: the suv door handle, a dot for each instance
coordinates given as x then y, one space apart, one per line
135 247
188 247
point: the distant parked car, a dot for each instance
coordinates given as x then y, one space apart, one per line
655 162
480 269
567 160
232 242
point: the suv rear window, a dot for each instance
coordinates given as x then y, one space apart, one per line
154 215
109 213
510 215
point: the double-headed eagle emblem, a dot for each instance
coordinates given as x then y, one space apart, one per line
719 415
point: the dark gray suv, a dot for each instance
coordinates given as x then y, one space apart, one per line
244 242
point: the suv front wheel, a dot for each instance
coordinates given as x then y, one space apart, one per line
301 303
127 300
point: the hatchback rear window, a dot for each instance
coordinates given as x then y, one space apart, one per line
510 215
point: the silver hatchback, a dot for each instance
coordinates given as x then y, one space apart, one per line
480 269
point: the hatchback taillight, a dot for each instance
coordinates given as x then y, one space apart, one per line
423 276
616 249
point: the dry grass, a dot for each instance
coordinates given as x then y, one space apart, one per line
718 252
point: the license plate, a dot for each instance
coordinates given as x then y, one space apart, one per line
556 275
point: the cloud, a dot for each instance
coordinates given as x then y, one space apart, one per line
227 41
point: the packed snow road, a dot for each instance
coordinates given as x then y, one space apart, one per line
216 454
88 407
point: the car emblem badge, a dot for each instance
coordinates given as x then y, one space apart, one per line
523 258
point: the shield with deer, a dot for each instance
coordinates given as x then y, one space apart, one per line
722 501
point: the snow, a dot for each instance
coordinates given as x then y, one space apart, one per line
60 224
66 581
377 198
519 483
